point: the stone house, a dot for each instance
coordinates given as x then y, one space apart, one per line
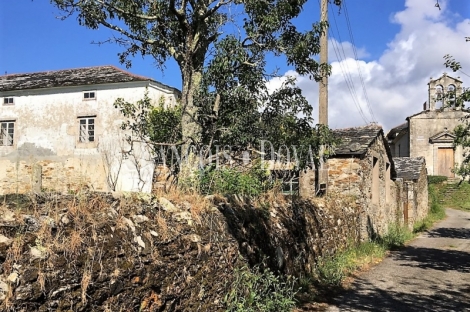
429 133
363 168
413 173
60 129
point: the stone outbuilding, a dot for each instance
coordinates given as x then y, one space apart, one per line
413 173
363 168
429 133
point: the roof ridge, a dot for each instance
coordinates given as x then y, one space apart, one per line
79 68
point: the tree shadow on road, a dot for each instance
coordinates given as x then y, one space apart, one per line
366 297
436 259
425 293
460 233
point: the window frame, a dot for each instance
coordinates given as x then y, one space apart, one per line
8 98
10 140
89 92
84 134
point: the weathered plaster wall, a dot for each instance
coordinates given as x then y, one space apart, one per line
428 124
47 129
401 147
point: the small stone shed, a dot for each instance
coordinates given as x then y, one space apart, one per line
413 173
363 168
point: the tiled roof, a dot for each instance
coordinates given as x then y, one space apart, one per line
68 77
356 141
408 168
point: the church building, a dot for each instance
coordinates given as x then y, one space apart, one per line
429 133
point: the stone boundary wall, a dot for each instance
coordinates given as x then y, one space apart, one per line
65 175
93 252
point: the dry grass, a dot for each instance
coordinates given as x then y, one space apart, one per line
162 227
75 242
197 203
86 279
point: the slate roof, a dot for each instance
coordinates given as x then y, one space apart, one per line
356 141
408 168
396 131
69 77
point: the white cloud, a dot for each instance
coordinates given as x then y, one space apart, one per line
396 83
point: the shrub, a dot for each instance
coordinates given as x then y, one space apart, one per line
396 236
252 181
260 289
436 179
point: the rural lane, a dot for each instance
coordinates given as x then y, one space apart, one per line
431 274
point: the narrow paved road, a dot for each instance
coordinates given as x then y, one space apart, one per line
431 274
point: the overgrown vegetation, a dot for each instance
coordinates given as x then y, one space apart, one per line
259 289
251 181
396 237
436 179
436 209
331 271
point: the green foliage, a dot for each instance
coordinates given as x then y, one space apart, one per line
165 124
224 95
396 236
151 123
331 271
260 289
436 179
462 132
436 209
243 181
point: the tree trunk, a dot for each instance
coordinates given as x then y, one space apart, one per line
191 131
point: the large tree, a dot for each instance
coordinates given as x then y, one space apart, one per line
189 31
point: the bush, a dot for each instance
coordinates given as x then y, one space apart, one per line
396 236
260 290
252 181
436 179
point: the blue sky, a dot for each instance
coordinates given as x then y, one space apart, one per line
400 45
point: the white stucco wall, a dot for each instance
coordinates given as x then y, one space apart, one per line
47 128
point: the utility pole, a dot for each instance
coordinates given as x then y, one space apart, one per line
322 174
323 86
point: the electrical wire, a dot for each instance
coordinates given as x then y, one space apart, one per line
345 69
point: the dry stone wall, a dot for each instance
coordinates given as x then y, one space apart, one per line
93 252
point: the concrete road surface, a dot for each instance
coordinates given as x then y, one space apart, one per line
431 274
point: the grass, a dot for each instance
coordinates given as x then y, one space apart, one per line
331 271
460 198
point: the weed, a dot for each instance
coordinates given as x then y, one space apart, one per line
251 181
331 270
396 236
436 209
259 289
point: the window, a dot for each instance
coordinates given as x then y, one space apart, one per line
7 130
290 187
388 177
375 180
89 95
8 101
86 129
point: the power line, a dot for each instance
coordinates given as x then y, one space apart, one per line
357 60
345 69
